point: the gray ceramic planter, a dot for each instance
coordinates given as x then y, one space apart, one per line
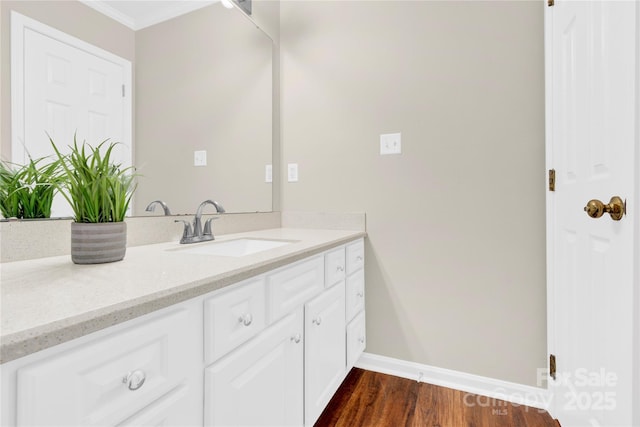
98 243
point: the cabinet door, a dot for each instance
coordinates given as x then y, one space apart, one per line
325 352
260 383
356 339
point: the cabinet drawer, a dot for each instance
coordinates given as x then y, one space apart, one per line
85 386
335 266
355 294
355 256
290 287
233 317
356 339
170 409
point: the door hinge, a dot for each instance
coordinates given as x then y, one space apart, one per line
123 91
552 180
552 366
550 3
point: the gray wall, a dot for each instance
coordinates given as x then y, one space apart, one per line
73 18
456 248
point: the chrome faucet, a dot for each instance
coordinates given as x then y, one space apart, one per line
151 206
197 234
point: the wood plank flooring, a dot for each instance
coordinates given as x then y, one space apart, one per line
371 399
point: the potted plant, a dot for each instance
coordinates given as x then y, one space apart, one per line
99 192
27 191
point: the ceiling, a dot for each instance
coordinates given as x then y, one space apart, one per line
138 14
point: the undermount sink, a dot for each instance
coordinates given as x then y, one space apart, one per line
234 248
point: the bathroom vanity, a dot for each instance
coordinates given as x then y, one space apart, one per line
170 337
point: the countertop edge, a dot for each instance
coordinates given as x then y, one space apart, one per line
24 343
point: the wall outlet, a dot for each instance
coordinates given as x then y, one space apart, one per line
292 172
391 143
268 173
200 158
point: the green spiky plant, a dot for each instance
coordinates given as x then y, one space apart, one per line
27 191
97 189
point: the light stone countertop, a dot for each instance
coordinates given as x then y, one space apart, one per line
49 301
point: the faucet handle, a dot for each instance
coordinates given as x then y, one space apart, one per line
207 226
187 232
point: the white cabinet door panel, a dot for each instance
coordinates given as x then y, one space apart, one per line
325 349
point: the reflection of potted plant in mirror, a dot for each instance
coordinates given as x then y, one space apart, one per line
27 191
99 192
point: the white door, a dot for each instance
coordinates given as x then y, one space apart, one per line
591 136
62 86
261 382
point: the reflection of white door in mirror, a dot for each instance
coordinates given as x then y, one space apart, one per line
62 86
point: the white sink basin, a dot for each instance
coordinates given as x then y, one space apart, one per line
234 248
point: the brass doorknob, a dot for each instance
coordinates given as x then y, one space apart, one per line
616 207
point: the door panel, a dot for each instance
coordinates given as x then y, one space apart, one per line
592 140
63 86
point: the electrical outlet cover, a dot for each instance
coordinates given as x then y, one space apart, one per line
391 143
292 172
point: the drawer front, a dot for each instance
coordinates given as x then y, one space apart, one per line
355 256
356 339
335 266
355 294
86 386
291 286
170 409
233 317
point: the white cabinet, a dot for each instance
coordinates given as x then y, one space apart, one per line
261 382
325 352
270 350
355 310
356 339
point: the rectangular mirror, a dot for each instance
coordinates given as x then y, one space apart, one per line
202 84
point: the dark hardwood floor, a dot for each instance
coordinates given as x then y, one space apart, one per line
372 399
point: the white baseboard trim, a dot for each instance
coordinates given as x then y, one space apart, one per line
519 394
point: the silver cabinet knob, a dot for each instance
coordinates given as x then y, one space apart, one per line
134 379
339 268
317 321
296 338
361 340
359 258
246 319
361 294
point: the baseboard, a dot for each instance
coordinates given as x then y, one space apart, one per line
511 392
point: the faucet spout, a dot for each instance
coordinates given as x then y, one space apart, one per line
196 234
197 222
151 206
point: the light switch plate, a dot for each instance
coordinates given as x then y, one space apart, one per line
391 143
292 172
268 173
200 158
